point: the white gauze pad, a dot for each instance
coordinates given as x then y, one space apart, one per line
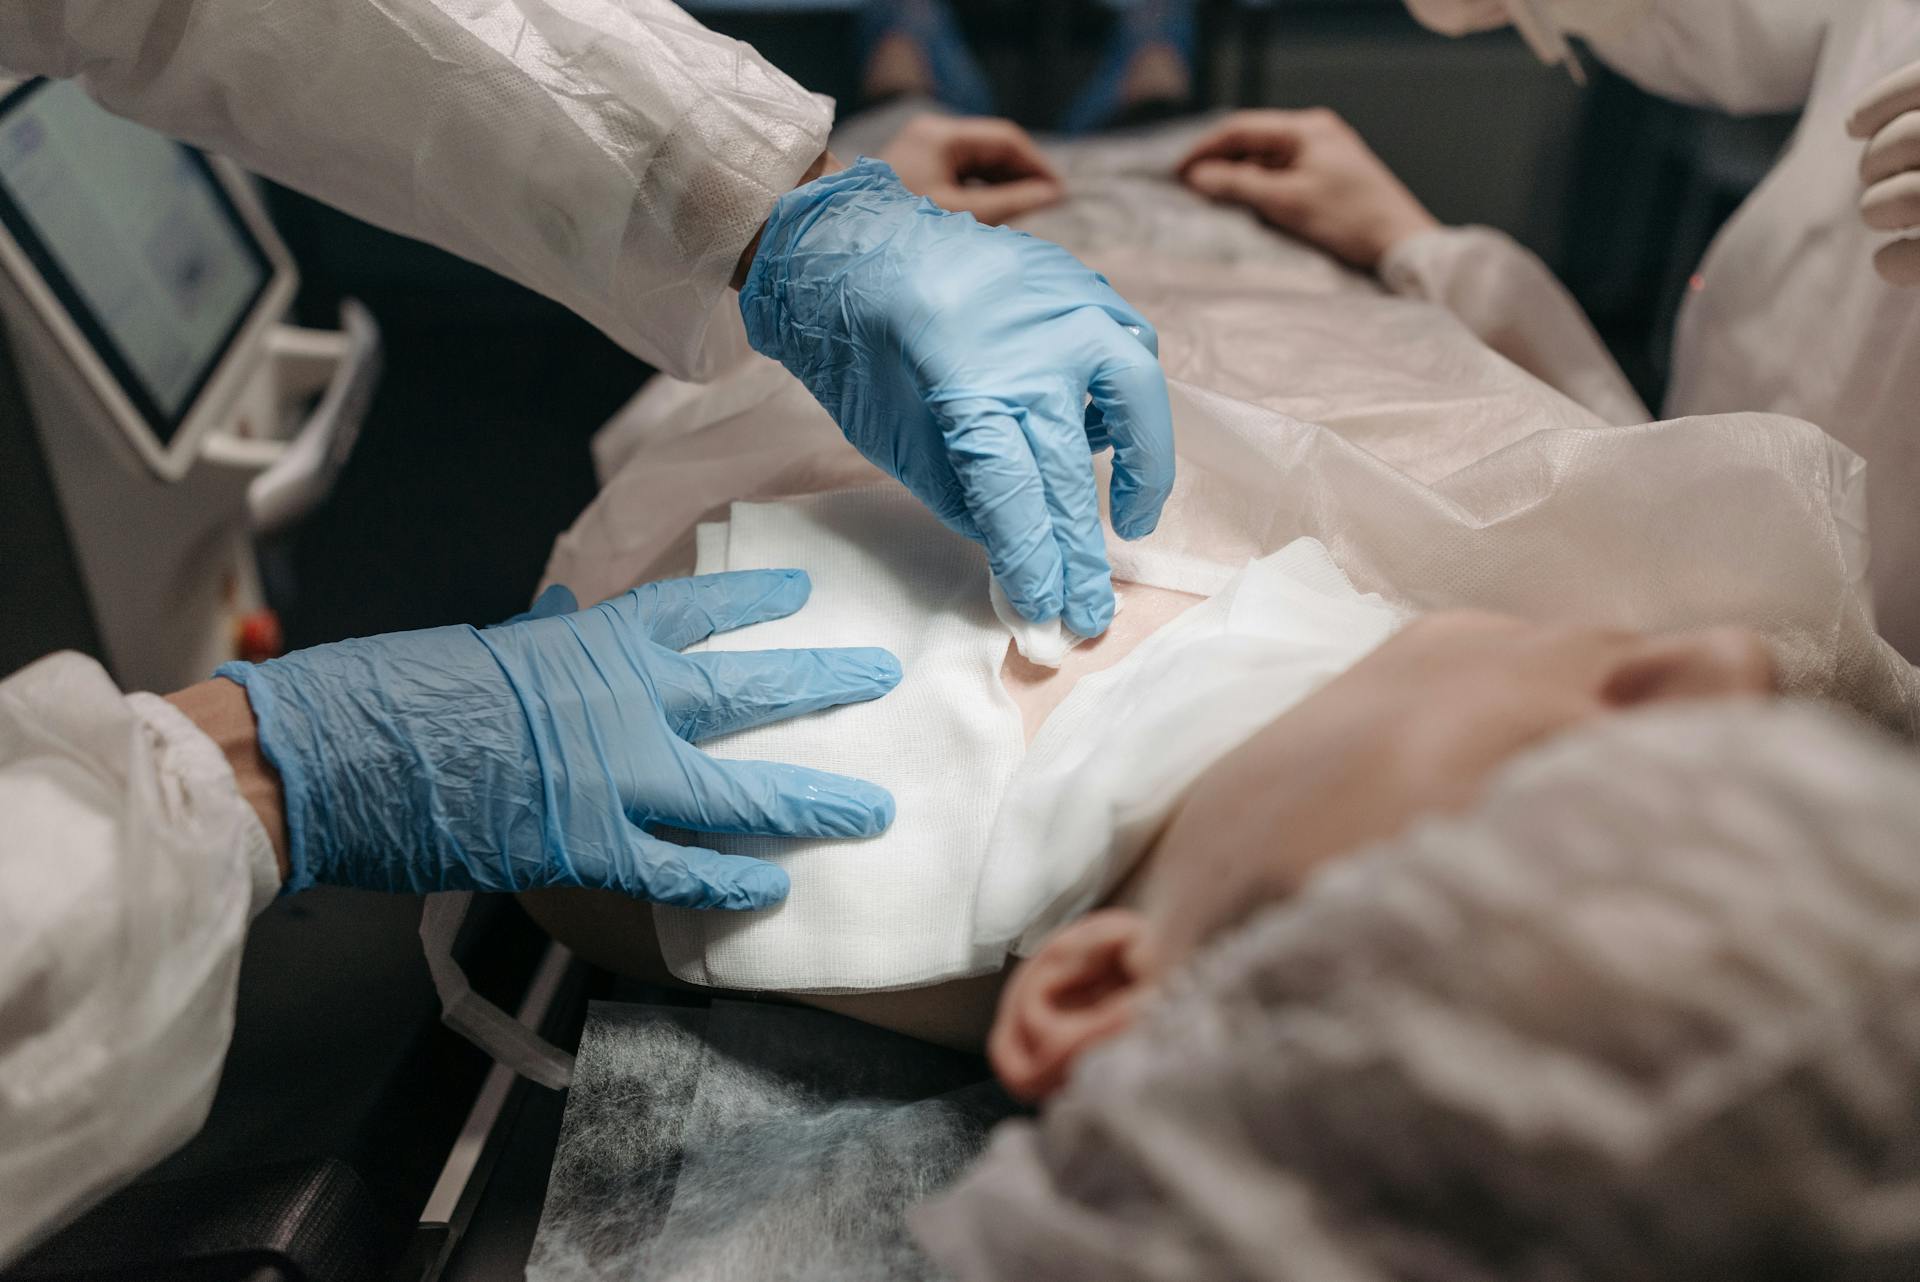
895 910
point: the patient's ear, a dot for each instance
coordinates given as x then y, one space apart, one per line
1711 663
1081 988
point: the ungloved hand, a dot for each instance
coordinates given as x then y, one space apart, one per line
1888 114
1308 173
1588 17
1460 17
532 754
989 168
960 358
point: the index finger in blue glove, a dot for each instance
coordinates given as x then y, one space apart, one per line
1130 391
695 877
1008 500
769 799
718 692
678 612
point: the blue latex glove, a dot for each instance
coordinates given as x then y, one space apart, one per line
531 754
960 358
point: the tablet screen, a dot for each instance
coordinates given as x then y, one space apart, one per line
137 239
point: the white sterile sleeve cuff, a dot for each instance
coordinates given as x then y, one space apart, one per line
614 155
130 870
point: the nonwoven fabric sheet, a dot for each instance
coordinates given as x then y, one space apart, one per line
754 1141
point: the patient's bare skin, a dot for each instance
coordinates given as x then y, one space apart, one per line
1415 728
978 165
1308 173
1038 691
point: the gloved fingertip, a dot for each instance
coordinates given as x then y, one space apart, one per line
880 813
795 581
861 809
838 807
883 667
771 594
1034 610
557 599
1091 619
1136 512
759 887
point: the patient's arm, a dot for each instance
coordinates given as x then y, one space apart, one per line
1308 173
1311 174
989 168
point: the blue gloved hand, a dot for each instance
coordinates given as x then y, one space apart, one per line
532 753
960 358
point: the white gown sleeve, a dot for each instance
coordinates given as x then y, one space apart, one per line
614 155
1498 289
1741 56
130 867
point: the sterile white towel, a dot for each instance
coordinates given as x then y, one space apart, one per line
894 910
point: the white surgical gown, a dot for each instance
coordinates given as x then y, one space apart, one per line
1787 313
612 154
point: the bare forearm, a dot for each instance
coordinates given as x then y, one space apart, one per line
827 164
221 711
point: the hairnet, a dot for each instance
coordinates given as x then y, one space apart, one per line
1650 1011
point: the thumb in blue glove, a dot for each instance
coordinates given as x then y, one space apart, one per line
536 753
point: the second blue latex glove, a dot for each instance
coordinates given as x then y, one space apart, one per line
535 753
979 365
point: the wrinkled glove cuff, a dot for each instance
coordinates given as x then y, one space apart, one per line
360 781
766 297
280 729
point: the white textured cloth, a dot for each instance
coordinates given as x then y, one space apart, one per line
1649 1012
614 155
889 911
1112 762
130 868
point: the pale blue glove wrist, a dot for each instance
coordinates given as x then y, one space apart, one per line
534 753
979 365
